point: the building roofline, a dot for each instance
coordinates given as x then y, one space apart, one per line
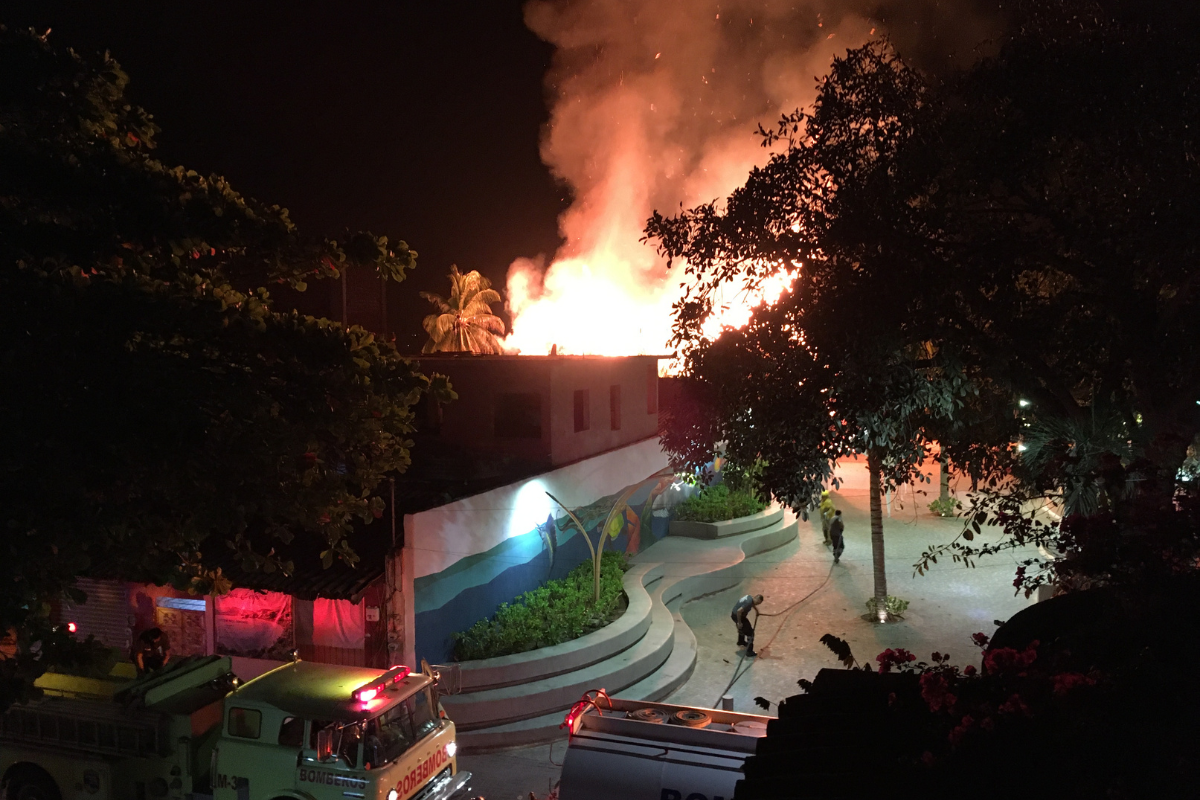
511 357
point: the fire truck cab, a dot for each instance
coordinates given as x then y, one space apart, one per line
323 732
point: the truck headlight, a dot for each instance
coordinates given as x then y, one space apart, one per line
451 749
392 794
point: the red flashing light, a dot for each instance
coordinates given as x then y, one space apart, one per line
369 691
72 627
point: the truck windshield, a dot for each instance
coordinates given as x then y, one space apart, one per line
392 733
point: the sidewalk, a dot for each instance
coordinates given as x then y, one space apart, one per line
947 605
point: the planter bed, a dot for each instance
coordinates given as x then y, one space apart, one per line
729 527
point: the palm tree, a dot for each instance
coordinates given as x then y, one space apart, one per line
464 322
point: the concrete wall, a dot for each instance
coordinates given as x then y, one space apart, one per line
598 376
472 422
472 555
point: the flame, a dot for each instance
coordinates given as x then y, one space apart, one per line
733 307
654 108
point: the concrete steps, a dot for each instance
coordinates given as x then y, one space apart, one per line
525 701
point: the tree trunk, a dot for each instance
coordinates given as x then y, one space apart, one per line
944 475
875 481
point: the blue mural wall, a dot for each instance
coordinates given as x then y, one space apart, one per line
474 588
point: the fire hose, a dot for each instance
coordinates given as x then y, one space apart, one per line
738 672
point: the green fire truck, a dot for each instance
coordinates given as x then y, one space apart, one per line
190 731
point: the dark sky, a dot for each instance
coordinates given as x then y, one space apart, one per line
419 120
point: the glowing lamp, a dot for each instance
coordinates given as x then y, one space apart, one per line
451 749
369 691
72 627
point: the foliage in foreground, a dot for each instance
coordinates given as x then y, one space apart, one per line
1098 681
992 241
557 612
160 413
717 504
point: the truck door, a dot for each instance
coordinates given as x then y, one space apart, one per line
249 761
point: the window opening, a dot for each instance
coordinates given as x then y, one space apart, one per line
291 732
583 420
245 722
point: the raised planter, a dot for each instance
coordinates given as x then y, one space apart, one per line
730 527
651 669
546 662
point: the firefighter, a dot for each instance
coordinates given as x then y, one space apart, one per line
740 615
151 651
826 509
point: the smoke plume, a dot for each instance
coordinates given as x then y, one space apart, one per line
653 106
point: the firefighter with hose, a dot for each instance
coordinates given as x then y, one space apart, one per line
740 616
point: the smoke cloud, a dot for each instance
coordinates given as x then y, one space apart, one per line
653 106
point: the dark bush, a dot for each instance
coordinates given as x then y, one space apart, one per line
718 503
555 612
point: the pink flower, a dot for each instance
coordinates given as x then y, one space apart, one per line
1014 705
1066 681
969 670
935 691
893 658
1008 659
980 639
961 729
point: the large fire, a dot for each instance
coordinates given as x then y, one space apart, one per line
656 103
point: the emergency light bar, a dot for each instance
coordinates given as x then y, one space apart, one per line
369 691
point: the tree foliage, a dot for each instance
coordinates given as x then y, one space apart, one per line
1022 228
464 322
158 412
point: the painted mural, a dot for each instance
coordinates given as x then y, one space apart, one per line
474 586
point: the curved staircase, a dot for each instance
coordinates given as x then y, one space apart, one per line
645 655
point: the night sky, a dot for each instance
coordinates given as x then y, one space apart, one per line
419 120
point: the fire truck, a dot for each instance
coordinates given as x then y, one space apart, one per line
638 750
191 731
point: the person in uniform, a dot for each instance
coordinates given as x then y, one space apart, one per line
740 616
151 651
826 510
835 535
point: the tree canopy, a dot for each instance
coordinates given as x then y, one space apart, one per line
1025 223
464 322
159 412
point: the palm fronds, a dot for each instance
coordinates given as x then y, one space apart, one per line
464 322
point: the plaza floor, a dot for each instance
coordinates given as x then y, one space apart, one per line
946 606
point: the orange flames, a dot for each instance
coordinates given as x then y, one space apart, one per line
656 104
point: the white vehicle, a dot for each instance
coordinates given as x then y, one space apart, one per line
655 751
302 731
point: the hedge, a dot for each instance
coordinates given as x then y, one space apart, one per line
717 504
556 612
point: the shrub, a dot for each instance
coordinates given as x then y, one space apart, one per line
717 504
944 508
895 606
556 612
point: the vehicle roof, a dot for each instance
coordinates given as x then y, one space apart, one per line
323 691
